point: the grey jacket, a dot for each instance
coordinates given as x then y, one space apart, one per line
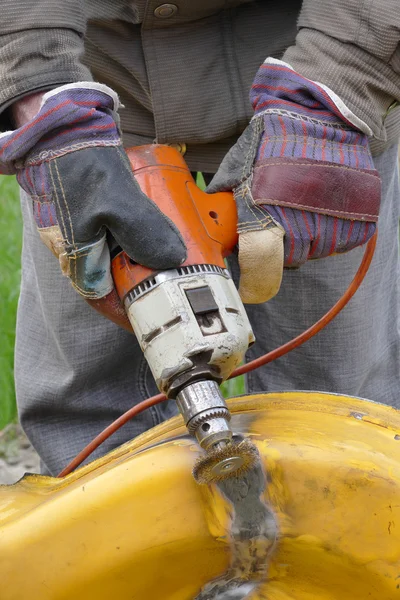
183 70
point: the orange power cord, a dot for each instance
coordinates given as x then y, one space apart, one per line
254 364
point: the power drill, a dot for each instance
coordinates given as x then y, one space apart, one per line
190 321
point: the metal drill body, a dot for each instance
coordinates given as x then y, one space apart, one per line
189 321
194 331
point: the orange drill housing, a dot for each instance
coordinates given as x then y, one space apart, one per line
207 222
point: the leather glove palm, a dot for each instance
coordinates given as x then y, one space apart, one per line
70 161
303 179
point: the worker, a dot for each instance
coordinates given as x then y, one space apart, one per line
310 156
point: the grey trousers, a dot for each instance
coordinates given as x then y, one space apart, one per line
75 372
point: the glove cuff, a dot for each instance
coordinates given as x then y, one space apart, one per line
310 156
71 117
83 86
277 86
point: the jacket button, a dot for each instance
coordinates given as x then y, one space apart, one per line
180 146
165 11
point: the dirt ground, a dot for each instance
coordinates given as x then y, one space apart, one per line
17 456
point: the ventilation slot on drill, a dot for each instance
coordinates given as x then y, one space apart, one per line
191 269
147 285
156 332
141 289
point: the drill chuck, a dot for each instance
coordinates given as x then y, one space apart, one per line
205 413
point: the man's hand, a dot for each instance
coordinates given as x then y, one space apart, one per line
70 161
303 179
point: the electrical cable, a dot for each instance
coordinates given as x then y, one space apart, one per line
246 368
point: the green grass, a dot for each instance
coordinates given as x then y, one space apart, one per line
10 272
234 387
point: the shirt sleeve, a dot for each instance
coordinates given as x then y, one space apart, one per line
353 48
41 47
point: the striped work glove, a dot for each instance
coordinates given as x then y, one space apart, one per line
303 179
70 161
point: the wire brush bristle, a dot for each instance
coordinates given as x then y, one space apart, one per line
205 471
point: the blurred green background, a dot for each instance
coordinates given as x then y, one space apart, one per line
10 273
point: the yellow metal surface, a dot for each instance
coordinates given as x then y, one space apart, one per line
134 525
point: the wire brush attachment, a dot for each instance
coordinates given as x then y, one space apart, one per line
232 459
